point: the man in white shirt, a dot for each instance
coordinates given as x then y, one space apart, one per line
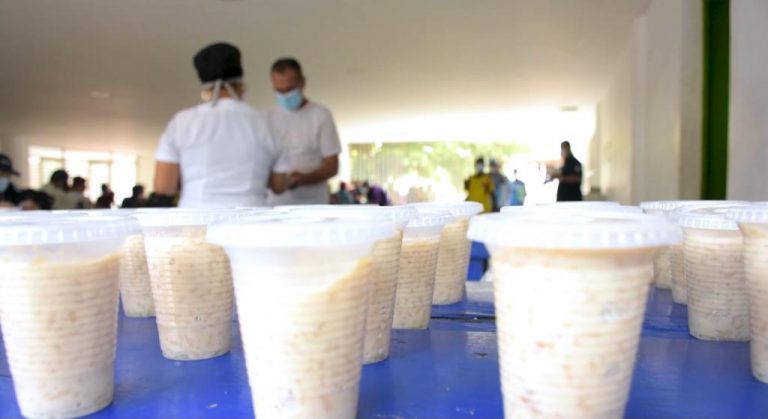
308 134
222 152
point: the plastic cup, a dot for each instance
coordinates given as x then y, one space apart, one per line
385 265
668 270
418 265
570 291
58 308
753 223
302 283
191 282
135 288
713 254
453 256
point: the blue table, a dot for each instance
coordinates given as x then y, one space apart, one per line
449 371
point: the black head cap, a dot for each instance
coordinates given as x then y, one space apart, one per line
218 61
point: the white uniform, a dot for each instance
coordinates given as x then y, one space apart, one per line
308 136
225 152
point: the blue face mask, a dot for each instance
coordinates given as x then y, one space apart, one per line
4 183
291 100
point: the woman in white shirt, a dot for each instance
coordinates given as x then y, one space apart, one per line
221 152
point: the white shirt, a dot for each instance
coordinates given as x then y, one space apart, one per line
308 135
225 152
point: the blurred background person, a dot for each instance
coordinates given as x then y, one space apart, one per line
136 200
58 189
502 188
32 200
222 152
308 134
517 187
10 196
107 198
77 194
480 187
343 195
569 188
375 195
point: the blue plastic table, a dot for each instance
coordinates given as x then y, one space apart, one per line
449 371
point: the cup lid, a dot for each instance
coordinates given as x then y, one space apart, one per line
274 229
582 204
599 208
757 214
456 209
399 214
183 217
667 206
707 215
49 229
574 229
431 218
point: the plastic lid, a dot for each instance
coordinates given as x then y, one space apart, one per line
456 209
271 230
398 214
575 229
757 214
40 230
673 205
707 216
599 208
431 218
581 204
180 217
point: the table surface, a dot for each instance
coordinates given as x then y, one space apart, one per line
448 371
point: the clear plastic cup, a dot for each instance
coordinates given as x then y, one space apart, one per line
385 265
135 288
753 223
191 282
418 265
570 291
668 270
58 308
454 253
302 283
713 255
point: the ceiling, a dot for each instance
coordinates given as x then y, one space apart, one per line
116 70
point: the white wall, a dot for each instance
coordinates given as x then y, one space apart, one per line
616 134
748 125
650 115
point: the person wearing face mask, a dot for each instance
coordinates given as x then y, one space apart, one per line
480 186
309 136
9 195
221 152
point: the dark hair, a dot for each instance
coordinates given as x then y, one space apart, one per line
480 160
104 187
138 190
565 144
78 181
287 63
60 175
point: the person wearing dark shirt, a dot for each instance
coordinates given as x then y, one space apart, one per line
9 195
376 195
136 200
569 188
106 199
